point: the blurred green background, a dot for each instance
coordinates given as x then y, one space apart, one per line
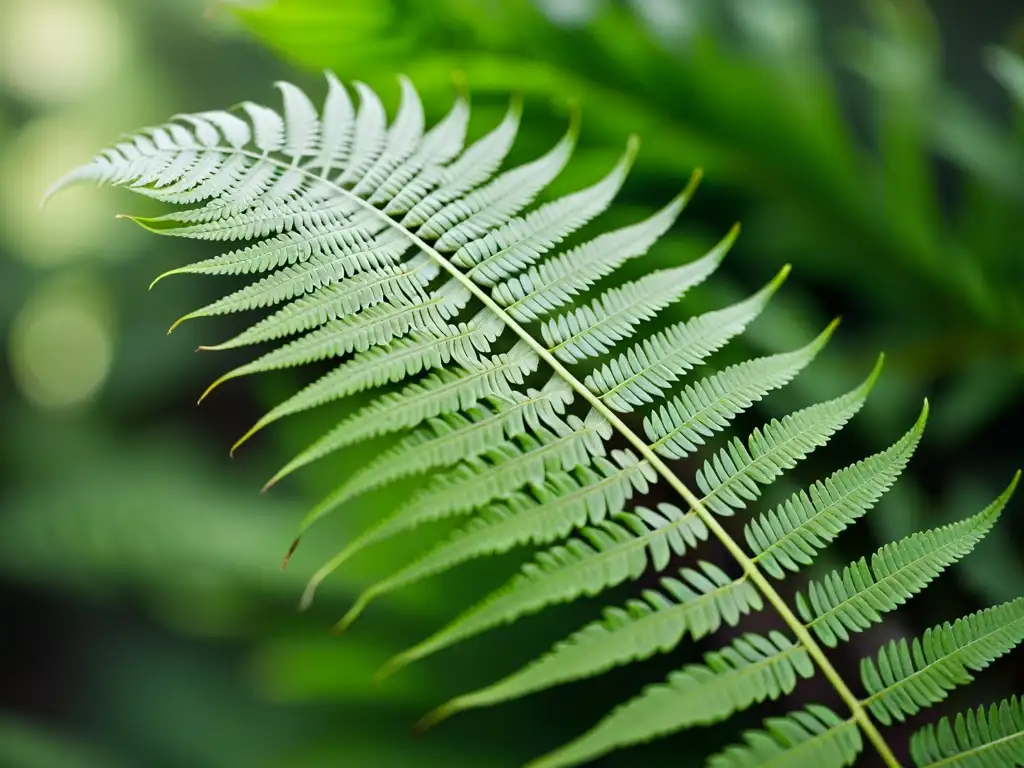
876 146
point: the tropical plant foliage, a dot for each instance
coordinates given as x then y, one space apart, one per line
511 362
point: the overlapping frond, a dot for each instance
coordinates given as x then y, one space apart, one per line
427 271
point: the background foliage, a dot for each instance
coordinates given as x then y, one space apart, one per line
876 146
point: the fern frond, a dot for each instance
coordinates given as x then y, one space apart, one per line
977 739
440 392
520 242
544 288
451 438
788 537
544 513
619 549
854 599
594 329
813 736
369 241
644 372
909 678
697 603
680 426
751 669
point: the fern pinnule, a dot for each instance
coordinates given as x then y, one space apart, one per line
753 668
696 603
977 739
643 373
596 328
446 440
788 537
812 736
851 601
553 283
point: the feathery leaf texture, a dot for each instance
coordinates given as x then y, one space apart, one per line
813 736
910 677
976 739
753 668
856 598
442 282
788 537
697 603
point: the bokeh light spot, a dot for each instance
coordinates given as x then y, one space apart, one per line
61 346
56 51
76 222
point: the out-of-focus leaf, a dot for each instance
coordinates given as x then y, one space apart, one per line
27 745
1008 68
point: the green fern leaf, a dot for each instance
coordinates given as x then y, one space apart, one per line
697 603
369 242
977 739
594 329
854 599
813 736
546 287
788 537
680 426
453 437
441 392
909 678
751 669
645 371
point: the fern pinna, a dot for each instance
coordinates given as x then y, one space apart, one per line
424 270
